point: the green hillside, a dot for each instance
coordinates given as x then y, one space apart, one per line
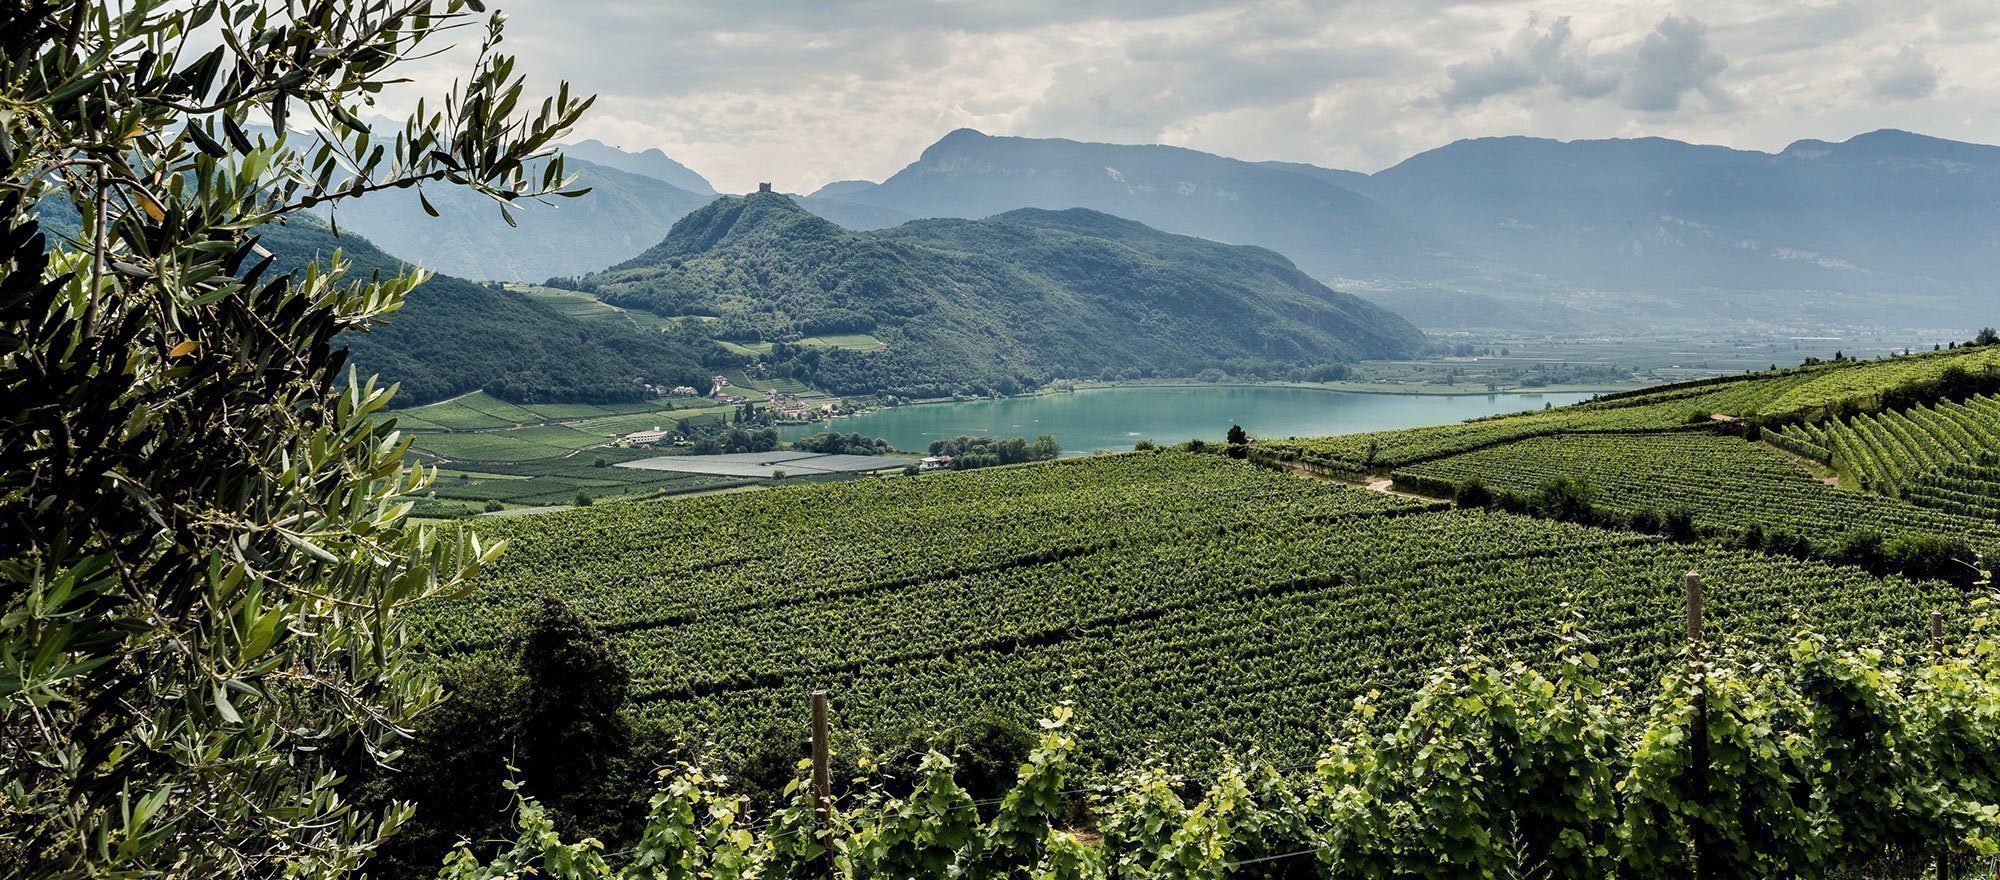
1188 602
455 336
996 305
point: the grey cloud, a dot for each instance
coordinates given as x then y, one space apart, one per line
1535 57
1907 76
1272 59
806 90
1675 59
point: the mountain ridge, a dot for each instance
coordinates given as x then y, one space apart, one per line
650 162
995 305
1329 230
1885 226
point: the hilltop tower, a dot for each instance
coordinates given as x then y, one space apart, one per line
763 187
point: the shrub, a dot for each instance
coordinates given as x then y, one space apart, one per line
1678 524
1862 549
1563 498
1472 493
1932 556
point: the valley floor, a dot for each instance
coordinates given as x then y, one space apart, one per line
1191 602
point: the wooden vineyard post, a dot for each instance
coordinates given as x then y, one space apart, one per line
821 778
1937 657
1937 637
1698 730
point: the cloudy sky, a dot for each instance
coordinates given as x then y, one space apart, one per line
804 92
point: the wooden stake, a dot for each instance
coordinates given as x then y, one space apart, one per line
1937 657
822 779
1695 629
1937 637
1698 730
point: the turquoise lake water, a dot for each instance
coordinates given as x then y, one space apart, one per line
1117 418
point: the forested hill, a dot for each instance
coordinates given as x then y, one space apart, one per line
1000 304
453 336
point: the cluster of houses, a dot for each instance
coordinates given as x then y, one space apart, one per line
722 382
792 409
664 391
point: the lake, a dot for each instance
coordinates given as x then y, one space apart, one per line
1117 418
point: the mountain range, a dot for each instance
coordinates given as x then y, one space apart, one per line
1001 304
634 199
1884 229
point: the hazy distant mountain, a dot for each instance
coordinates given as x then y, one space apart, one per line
858 216
1000 304
651 163
841 189
1353 180
1895 226
1886 228
623 214
1330 231
1441 309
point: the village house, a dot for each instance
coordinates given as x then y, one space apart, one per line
646 437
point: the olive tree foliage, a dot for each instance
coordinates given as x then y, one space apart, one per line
203 544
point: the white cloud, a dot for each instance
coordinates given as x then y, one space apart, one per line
803 92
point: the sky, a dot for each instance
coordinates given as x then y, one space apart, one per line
806 92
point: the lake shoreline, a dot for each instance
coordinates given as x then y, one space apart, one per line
1334 387
1116 416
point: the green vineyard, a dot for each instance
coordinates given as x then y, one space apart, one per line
1804 394
1179 600
1938 455
1729 486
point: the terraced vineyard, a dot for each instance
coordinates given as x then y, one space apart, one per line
1805 393
1964 488
1939 456
1728 484
1179 598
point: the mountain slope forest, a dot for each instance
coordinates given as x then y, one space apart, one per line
998 305
453 336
